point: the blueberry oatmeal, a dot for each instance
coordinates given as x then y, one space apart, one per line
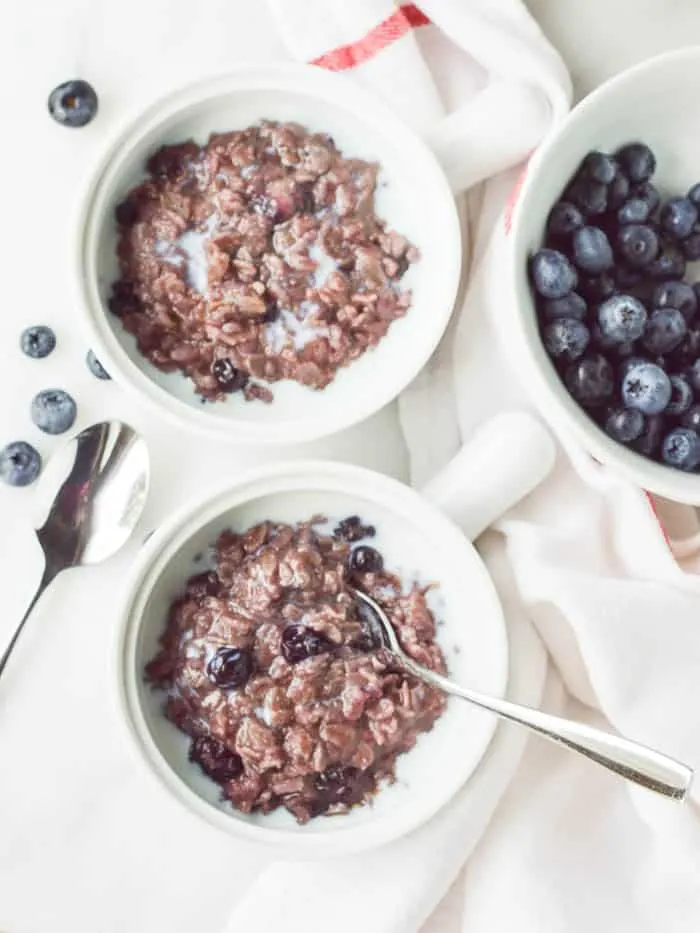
276 677
257 257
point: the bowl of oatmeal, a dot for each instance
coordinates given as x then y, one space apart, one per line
269 255
253 687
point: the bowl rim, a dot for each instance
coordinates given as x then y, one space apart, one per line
312 82
547 390
165 543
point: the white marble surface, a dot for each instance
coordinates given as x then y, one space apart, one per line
49 878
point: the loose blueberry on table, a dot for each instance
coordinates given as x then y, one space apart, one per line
618 316
73 103
20 464
95 367
37 342
53 411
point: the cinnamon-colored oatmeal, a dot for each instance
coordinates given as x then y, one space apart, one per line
276 677
257 257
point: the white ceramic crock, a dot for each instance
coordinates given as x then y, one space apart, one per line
418 540
414 196
657 103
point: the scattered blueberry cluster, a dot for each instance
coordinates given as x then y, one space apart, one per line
74 104
616 316
53 411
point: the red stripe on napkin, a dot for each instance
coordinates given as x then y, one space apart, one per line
407 17
513 199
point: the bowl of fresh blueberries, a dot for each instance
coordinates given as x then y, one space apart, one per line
605 262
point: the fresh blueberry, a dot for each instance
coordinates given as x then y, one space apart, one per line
637 161
20 464
647 388
591 250
676 295
600 167
300 642
596 288
664 331
590 380
215 759
571 305
691 418
694 195
638 244
73 103
563 219
38 342
95 367
681 449
694 375
552 274
53 411
622 318
649 441
678 217
634 211
589 196
230 668
649 193
365 559
681 395
618 191
566 338
229 378
691 247
624 424
669 264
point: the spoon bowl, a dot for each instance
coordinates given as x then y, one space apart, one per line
635 762
91 496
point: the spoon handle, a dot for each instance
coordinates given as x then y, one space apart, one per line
46 578
637 763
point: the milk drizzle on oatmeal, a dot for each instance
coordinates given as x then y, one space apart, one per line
225 240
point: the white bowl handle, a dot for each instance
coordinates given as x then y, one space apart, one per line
497 129
505 460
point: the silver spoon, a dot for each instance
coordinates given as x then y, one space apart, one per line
94 488
633 761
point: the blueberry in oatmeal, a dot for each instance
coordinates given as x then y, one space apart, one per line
270 668
257 257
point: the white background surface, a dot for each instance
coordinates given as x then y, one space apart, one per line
131 51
